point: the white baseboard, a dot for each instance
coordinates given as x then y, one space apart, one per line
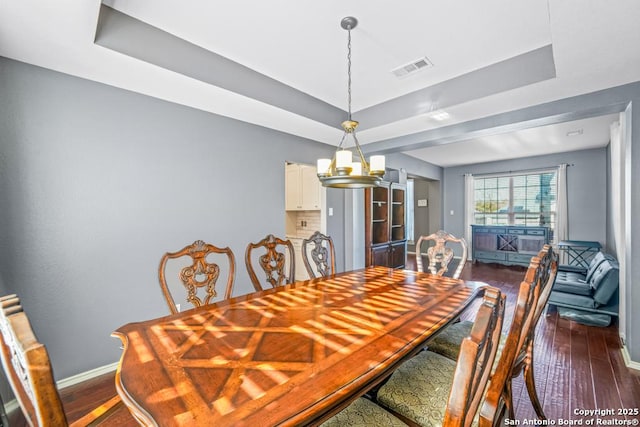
13 405
627 359
83 376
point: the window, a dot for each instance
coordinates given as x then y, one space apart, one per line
516 199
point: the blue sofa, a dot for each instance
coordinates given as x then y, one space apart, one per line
588 296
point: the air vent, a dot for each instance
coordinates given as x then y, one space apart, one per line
412 67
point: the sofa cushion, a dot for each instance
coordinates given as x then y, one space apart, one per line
584 317
570 276
604 282
574 273
598 259
601 286
578 287
566 298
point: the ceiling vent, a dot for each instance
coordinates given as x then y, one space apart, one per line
412 67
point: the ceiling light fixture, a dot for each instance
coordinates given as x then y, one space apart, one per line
342 171
440 115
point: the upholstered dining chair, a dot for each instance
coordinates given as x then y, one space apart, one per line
28 368
320 249
538 280
277 262
440 255
448 393
197 267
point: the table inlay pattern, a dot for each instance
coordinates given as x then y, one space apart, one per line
282 355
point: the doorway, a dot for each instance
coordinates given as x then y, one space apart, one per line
424 213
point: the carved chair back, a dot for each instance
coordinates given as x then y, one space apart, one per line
201 267
28 368
544 278
320 249
277 262
549 269
518 349
439 254
475 362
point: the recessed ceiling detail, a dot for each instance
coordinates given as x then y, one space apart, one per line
132 37
528 68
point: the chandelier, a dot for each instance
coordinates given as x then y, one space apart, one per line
342 171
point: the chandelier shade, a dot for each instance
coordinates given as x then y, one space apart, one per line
343 171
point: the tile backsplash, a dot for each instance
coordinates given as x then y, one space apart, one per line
302 223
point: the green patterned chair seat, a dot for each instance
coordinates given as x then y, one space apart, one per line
447 343
419 389
363 413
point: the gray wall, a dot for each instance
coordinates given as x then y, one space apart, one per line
586 190
96 183
420 213
413 166
435 206
632 229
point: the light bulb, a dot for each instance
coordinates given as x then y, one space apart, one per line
343 159
376 164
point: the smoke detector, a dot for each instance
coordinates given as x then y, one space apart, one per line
412 67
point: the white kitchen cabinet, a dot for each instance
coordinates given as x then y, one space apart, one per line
302 188
301 271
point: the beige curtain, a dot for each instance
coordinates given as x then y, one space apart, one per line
562 211
469 209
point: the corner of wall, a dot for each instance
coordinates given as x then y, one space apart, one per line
631 364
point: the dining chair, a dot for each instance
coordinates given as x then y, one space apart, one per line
448 393
546 276
28 368
517 354
320 249
197 268
539 279
277 262
440 255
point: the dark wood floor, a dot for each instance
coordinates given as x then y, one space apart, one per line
576 366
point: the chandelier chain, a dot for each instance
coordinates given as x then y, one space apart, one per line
349 70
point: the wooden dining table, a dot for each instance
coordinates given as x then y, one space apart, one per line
292 355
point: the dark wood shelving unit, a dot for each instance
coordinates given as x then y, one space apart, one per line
385 225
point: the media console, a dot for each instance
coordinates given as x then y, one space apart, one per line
510 245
